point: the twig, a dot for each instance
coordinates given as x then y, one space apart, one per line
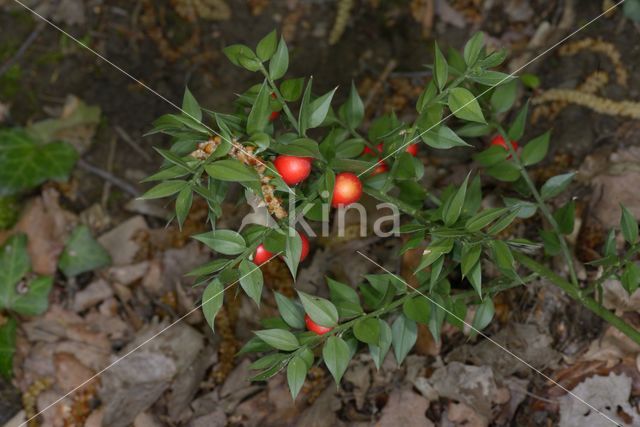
106 188
391 65
120 183
23 48
127 138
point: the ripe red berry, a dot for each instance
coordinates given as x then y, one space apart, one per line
499 140
413 149
381 168
369 151
347 189
261 255
314 327
274 116
305 246
293 169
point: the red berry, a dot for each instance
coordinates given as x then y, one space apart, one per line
347 190
261 255
305 246
274 116
293 169
499 140
369 151
314 327
273 95
413 149
381 168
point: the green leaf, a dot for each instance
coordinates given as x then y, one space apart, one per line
378 352
483 218
443 139
292 251
24 164
629 226
82 253
280 61
517 128
296 374
367 330
336 355
305 109
227 242
502 223
279 339
504 96
290 312
452 210
464 105
300 147
319 108
35 300
535 150
7 347
231 170
165 189
321 310
491 156
474 277
551 242
630 277
345 298
259 115
631 9
190 106
350 148
470 256
267 46
441 68
473 48
353 108
417 309
484 315
502 256
404 334
236 52
556 185
14 264
291 89
212 299
183 205
435 250
251 280
492 78
565 217
437 316
506 171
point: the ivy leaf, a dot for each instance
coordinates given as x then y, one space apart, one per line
321 310
464 105
251 280
336 355
279 339
367 330
535 150
629 226
227 242
190 106
36 300
280 61
404 334
24 164
212 299
556 185
82 253
290 312
379 351
296 374
7 347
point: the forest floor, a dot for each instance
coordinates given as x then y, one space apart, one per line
189 377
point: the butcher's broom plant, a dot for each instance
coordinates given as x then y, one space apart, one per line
298 155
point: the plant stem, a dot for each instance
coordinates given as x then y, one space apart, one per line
580 296
543 208
276 91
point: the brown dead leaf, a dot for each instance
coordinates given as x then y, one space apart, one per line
120 242
70 372
464 415
405 408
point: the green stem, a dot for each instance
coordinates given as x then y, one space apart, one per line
580 296
276 91
543 208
